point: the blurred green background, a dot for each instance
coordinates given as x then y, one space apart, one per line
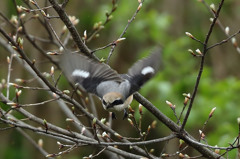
159 23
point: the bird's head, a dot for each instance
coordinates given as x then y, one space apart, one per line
113 101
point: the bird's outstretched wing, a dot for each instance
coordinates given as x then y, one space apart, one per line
88 73
143 70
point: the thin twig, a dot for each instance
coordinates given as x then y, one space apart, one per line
37 104
125 30
202 64
30 88
7 20
217 22
33 142
39 9
50 25
223 41
9 73
75 35
108 19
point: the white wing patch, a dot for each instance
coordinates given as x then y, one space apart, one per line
80 73
147 70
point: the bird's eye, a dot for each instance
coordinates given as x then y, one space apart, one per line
104 102
117 102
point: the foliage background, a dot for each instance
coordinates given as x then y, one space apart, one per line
160 22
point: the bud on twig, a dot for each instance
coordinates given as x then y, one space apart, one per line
22 15
69 119
187 97
202 135
85 34
45 124
199 52
104 134
181 142
74 20
151 151
212 6
171 105
52 53
131 110
50 155
139 6
181 155
14 19
238 50
79 92
119 40
118 136
8 60
20 42
103 120
52 70
33 61
40 142
130 121
45 74
186 156
60 145
102 60
234 42
12 104
66 91
190 50
149 128
83 130
43 13
109 17
238 120
189 35
87 100
154 123
19 29
61 49
217 151
54 95
140 109
211 113
19 9
227 30
18 93
94 122
18 80
165 155
31 1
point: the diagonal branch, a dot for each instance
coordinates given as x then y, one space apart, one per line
182 134
58 92
75 35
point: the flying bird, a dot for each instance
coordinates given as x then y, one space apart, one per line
115 90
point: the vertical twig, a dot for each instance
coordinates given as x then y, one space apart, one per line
202 64
125 29
9 73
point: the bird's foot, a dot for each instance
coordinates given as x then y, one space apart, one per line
125 114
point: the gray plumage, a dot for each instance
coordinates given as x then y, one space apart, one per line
100 79
98 72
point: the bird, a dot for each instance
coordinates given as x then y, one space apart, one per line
114 90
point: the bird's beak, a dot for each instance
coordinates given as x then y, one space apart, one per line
109 106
